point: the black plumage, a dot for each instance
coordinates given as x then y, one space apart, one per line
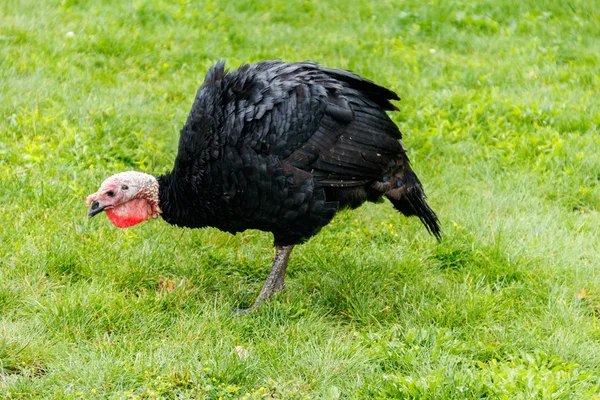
281 147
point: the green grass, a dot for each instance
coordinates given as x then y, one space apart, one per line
500 113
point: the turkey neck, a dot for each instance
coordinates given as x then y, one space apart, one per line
187 203
189 195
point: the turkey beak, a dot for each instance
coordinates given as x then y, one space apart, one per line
95 209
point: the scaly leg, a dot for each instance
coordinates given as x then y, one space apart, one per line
276 279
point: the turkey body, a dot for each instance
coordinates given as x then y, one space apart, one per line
281 147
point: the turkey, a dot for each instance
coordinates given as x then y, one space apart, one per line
279 147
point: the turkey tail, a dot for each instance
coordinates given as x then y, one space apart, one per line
405 192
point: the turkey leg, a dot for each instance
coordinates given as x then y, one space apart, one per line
276 279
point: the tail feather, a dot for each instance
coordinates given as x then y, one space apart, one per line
404 190
413 203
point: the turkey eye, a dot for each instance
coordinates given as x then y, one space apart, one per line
124 187
110 193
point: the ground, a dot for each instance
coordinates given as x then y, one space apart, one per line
500 114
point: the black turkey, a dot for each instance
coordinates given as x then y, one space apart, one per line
279 147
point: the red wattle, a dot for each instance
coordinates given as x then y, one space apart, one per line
128 214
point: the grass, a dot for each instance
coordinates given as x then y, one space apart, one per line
501 116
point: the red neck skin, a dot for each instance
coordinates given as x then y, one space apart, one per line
129 214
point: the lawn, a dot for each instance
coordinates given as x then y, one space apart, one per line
500 112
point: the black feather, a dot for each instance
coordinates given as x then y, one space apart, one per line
281 147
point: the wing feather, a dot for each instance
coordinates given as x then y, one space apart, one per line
328 122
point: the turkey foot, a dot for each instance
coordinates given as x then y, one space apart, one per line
276 279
